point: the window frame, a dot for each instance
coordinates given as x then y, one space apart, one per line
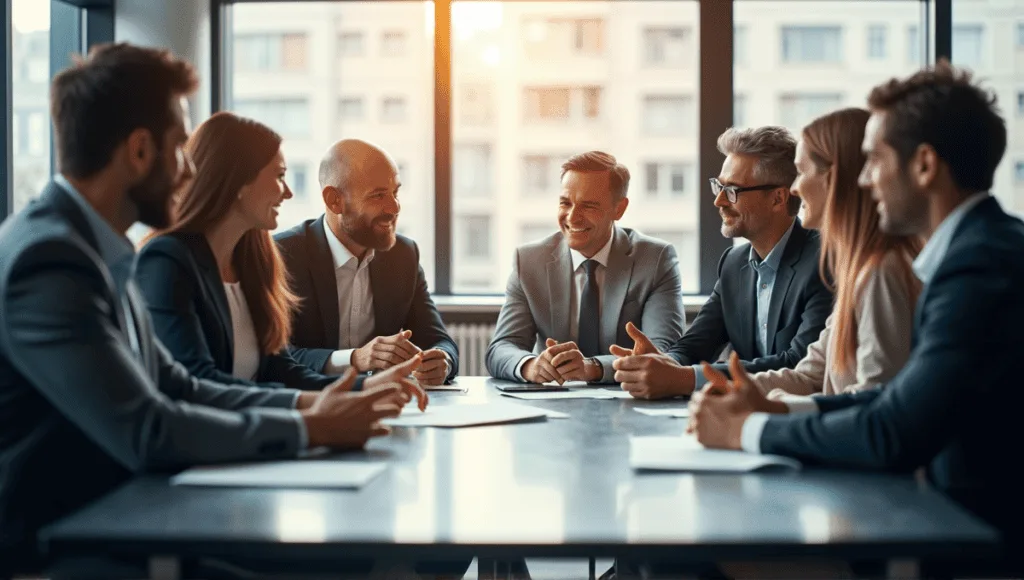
714 99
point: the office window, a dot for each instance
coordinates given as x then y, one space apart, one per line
346 88
289 117
913 44
30 88
796 110
270 52
351 109
739 110
392 43
1020 104
967 45
739 45
297 180
547 36
812 44
476 104
392 110
668 179
350 44
472 165
564 81
668 46
477 236
668 115
1020 35
1018 172
878 41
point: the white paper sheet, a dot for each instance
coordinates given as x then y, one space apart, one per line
678 413
686 454
464 415
591 393
445 388
290 474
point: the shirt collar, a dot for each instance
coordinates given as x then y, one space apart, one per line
340 254
601 257
931 256
114 247
774 257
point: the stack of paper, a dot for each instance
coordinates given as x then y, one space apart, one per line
678 412
297 474
684 453
592 393
464 415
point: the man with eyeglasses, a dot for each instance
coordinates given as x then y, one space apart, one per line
769 302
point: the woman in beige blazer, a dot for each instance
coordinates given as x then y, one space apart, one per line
866 340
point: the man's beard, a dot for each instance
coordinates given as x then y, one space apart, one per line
361 230
152 196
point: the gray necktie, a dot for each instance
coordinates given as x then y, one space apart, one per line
589 333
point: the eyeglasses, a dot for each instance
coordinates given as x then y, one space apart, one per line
732 192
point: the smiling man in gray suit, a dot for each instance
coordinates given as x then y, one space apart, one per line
571 294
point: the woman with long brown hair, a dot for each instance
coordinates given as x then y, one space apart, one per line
214 281
866 340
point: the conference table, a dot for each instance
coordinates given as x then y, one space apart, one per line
551 487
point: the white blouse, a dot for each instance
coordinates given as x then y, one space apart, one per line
247 348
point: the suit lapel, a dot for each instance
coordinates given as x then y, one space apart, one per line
617 277
559 283
787 267
325 283
210 278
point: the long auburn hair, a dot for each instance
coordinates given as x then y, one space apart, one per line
853 242
229 152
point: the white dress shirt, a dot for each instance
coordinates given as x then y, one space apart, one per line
355 303
246 362
925 266
579 278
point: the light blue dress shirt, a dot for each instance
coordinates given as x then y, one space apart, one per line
118 254
766 273
925 266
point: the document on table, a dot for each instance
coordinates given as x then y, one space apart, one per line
684 453
291 474
678 412
591 393
464 415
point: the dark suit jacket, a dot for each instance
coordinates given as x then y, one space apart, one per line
956 405
400 296
799 305
80 410
181 283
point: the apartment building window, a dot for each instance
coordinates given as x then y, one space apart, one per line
535 232
668 179
913 45
544 37
591 102
289 117
878 42
588 36
1020 104
968 45
668 46
739 45
1018 172
668 115
544 104
476 105
739 110
270 52
812 44
351 109
298 182
473 168
1020 35
351 44
542 174
798 109
393 110
477 235
392 43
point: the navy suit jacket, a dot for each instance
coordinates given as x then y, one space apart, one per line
401 299
799 305
180 280
955 407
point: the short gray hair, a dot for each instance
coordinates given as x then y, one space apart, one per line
774 147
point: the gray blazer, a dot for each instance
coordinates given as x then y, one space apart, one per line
641 286
81 410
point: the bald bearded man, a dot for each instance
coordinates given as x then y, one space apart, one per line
365 301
